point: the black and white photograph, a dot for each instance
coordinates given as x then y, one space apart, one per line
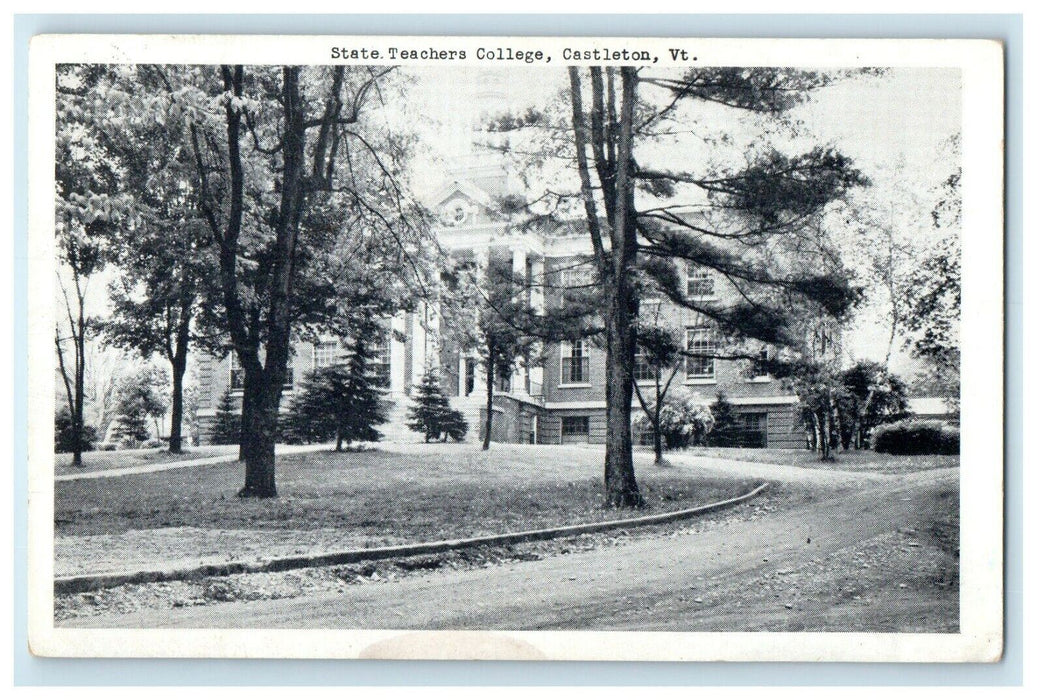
516 348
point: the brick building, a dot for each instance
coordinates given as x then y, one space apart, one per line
560 399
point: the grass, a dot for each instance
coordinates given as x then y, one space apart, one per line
118 459
843 460
413 493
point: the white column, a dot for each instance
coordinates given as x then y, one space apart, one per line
398 354
461 371
518 271
538 282
536 373
518 262
419 355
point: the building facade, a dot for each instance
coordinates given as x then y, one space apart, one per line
559 399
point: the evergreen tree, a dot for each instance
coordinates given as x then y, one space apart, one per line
343 401
141 396
226 421
725 432
432 414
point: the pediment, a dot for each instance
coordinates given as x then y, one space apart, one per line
462 204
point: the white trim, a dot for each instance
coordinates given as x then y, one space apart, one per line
574 386
740 401
521 398
701 381
570 405
763 400
761 379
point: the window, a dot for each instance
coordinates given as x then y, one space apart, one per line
382 362
698 282
325 354
575 426
576 362
758 370
644 371
469 376
236 375
699 340
574 280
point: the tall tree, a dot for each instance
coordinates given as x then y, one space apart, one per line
933 302
291 163
88 209
734 217
164 266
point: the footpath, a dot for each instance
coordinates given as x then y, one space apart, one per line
182 464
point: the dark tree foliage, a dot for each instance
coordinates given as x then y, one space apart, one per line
870 395
918 437
431 413
726 430
227 422
65 438
342 402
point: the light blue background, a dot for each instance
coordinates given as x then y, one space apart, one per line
30 670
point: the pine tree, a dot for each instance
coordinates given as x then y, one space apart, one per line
432 414
343 401
725 432
226 421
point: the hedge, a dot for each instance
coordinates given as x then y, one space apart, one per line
917 437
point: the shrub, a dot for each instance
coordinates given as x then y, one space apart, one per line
152 443
227 422
64 440
725 427
917 437
431 413
343 401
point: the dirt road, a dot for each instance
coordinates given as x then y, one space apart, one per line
880 555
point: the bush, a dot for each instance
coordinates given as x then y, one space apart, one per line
107 446
152 443
917 437
65 440
431 413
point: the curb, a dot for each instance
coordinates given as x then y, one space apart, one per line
92 582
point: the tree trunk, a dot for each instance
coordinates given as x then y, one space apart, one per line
177 398
657 433
825 435
340 440
489 405
257 443
621 314
78 389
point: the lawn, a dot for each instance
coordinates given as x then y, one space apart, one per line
843 460
118 459
396 494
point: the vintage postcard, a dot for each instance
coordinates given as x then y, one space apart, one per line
516 348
